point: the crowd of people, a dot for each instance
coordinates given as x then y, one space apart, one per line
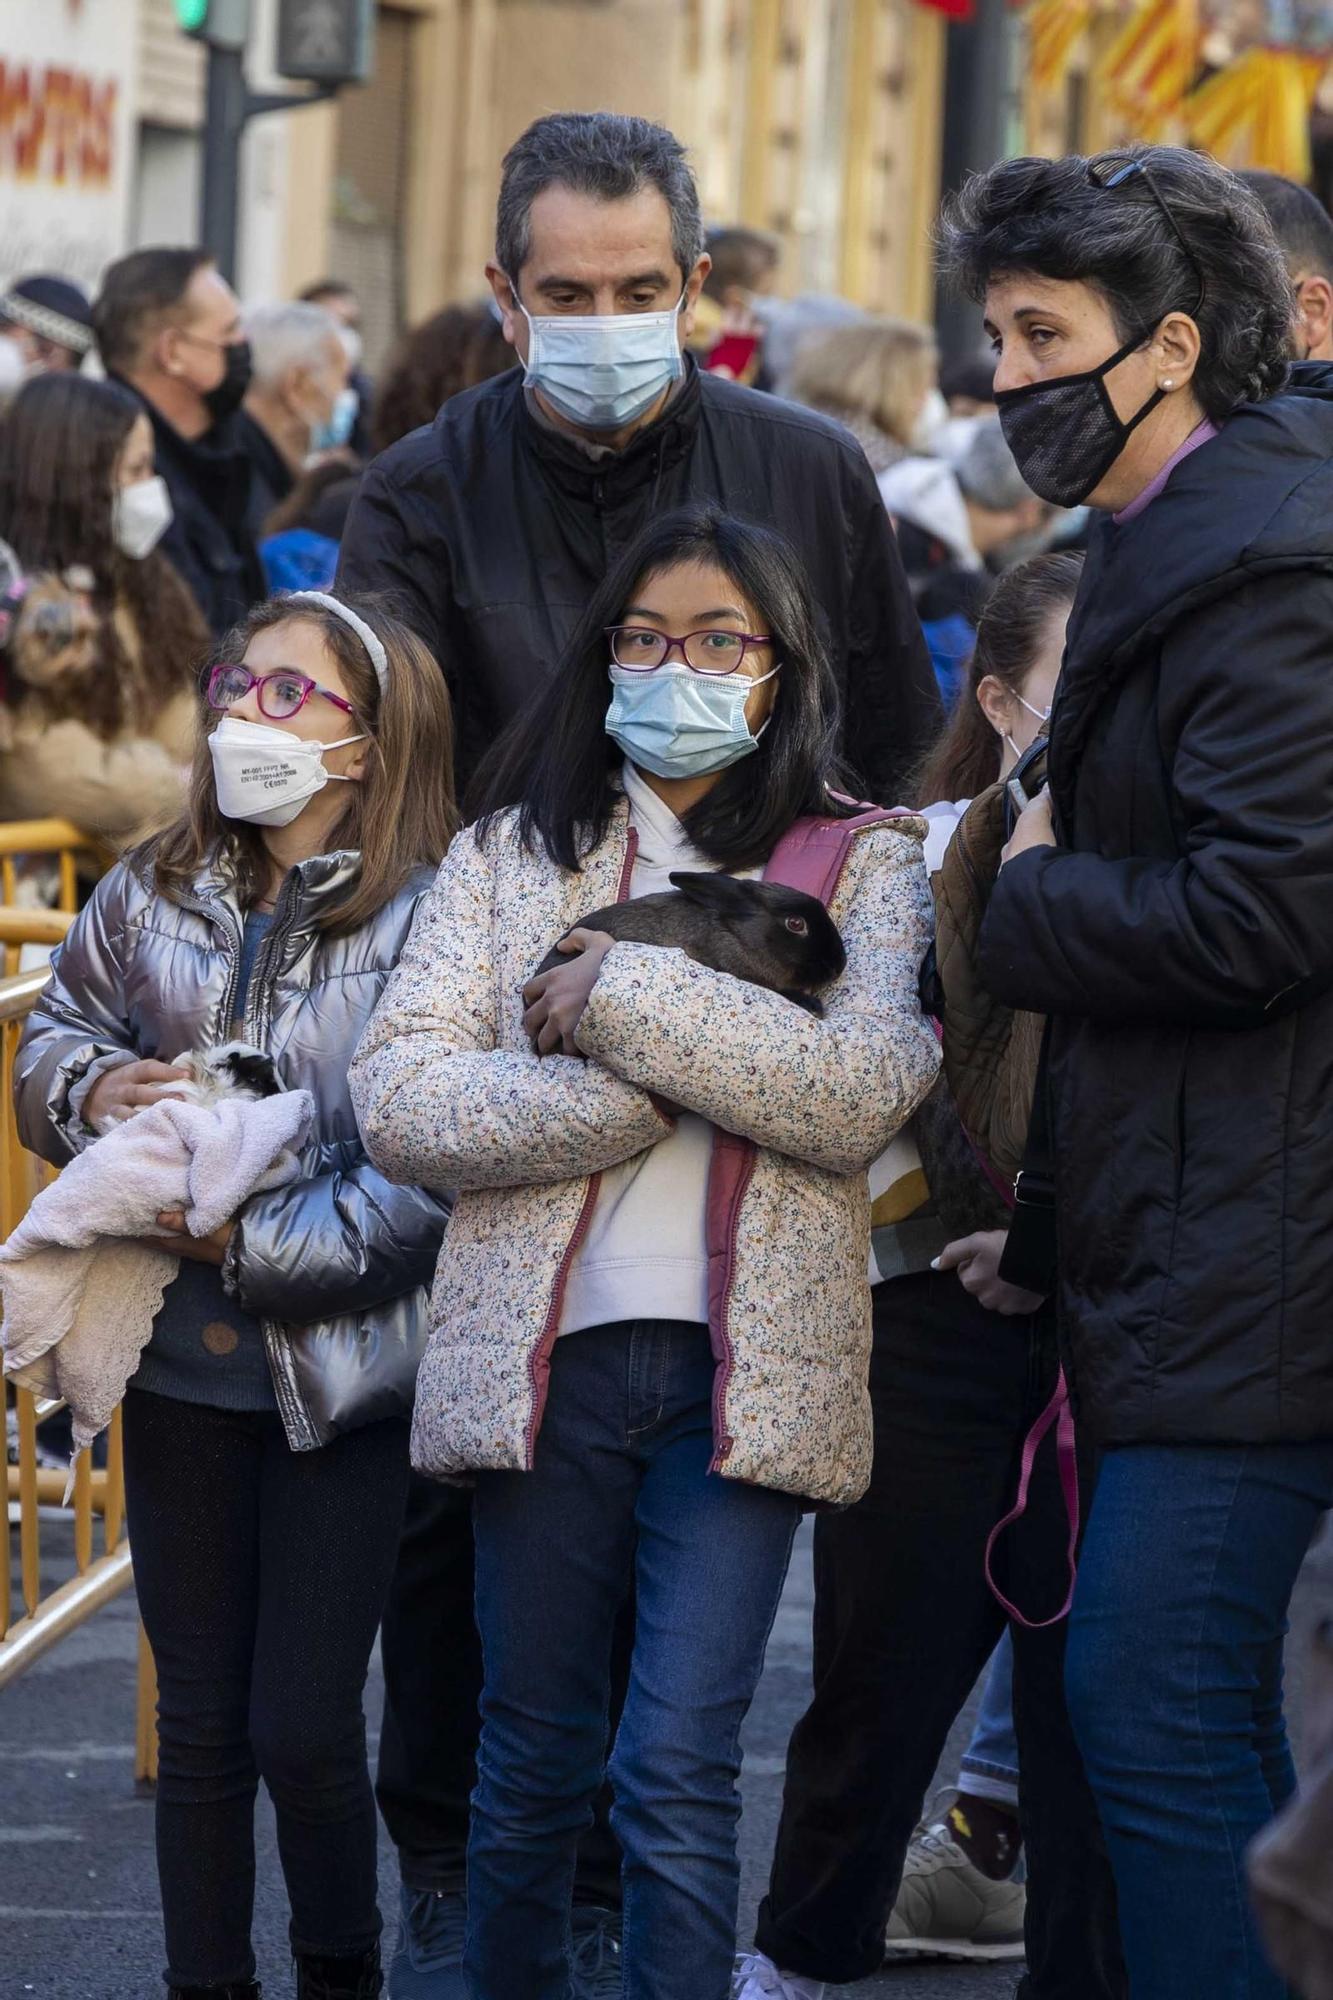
635 580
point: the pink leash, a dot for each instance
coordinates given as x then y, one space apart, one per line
1059 1413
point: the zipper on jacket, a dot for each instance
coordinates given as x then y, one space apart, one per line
539 1360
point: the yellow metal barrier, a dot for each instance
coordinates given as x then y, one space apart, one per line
59 838
99 1574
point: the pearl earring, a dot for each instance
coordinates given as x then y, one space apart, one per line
1168 386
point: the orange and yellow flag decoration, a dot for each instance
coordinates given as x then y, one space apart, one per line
1055 28
1148 68
1256 113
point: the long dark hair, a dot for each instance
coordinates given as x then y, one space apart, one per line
966 758
557 764
454 350
60 442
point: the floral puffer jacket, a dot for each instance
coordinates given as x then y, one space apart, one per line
450 1095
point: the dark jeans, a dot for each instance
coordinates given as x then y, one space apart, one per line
620 1490
904 1624
1175 1687
261 1574
432 1697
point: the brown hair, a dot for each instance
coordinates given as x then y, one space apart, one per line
878 369
140 295
60 444
401 816
456 349
966 758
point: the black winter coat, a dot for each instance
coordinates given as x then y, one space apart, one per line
209 541
1182 940
490 530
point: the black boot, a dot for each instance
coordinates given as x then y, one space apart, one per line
245 1989
357 1978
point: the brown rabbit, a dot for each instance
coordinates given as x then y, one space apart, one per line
759 931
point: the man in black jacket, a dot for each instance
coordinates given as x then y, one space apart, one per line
168 326
490 528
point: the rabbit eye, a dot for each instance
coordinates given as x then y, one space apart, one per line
798 925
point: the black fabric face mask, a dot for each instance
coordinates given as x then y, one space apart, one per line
230 391
1065 434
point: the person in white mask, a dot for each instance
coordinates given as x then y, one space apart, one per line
99 714
298 402
492 529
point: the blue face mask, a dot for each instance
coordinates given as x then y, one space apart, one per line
333 434
682 725
602 370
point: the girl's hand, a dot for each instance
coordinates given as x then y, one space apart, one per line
555 1000
178 1242
977 1262
1034 829
118 1093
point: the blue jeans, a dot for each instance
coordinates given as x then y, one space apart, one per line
988 1768
620 1495
1174 1675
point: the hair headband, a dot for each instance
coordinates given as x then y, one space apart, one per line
379 659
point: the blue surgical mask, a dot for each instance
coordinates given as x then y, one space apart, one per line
682 725
602 370
333 434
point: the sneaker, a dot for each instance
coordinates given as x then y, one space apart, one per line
428 1964
757 1978
595 1970
947 1908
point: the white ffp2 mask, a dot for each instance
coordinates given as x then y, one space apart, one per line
140 516
264 774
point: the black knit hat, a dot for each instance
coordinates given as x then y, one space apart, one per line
53 308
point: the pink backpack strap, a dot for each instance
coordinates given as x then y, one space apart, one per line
812 853
1058 1414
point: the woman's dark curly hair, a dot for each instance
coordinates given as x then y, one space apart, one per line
1052 219
60 443
454 350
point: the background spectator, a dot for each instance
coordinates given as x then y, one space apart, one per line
454 349
298 400
876 377
49 321
1304 230
98 719
341 302
169 327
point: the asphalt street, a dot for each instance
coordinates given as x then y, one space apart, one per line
78 1894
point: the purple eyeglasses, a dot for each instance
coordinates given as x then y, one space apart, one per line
640 650
282 694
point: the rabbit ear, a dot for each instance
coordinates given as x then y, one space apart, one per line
714 892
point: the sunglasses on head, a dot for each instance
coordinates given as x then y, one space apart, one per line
1108 174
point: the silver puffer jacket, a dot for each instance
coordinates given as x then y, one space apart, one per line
338 1264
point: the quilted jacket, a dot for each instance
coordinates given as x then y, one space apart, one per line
450 1095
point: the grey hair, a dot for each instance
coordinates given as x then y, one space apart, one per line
598 153
986 470
288 336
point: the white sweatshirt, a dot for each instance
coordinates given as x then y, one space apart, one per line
644 1255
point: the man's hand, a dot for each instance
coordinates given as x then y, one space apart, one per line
118 1093
178 1242
1034 828
555 1000
976 1259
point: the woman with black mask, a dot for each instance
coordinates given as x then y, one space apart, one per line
1167 905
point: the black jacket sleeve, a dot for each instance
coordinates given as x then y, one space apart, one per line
1238 928
391 544
893 710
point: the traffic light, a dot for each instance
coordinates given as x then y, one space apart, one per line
224 24
325 41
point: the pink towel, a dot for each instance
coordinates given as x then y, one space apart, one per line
80 1291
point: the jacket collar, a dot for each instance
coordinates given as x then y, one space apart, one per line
617 475
309 887
1273 462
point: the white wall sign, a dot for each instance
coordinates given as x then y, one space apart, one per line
66 135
